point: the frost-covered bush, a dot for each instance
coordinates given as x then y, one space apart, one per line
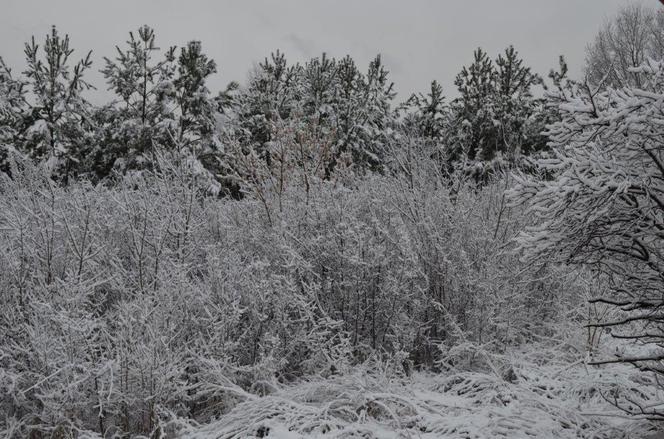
123 306
602 209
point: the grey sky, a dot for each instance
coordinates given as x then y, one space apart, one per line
420 40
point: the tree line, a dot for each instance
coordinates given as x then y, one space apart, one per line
161 104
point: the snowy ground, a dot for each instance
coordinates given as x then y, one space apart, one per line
546 397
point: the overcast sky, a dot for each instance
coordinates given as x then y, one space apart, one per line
420 40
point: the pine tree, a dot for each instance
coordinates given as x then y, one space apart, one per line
326 108
143 85
547 110
195 109
377 124
319 84
194 138
58 116
427 118
496 115
12 108
273 94
474 113
428 113
514 103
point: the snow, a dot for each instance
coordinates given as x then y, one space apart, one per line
549 397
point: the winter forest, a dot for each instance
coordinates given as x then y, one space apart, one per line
303 254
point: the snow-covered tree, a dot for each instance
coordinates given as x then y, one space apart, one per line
632 37
328 101
376 126
428 117
142 84
351 108
601 206
271 94
56 126
192 136
194 108
430 113
474 133
12 107
496 119
515 106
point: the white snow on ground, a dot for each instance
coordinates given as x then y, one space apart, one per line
551 397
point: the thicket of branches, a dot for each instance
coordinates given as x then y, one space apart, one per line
173 254
123 304
604 210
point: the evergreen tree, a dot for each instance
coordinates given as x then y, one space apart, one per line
377 124
12 108
227 99
56 126
474 113
547 110
195 109
514 104
109 142
328 102
496 114
143 86
348 112
319 88
428 117
272 94
194 112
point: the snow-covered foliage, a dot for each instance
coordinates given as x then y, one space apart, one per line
496 114
548 395
297 257
54 128
332 100
163 107
148 298
12 106
600 206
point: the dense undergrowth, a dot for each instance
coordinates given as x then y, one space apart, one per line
298 258
548 394
125 303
